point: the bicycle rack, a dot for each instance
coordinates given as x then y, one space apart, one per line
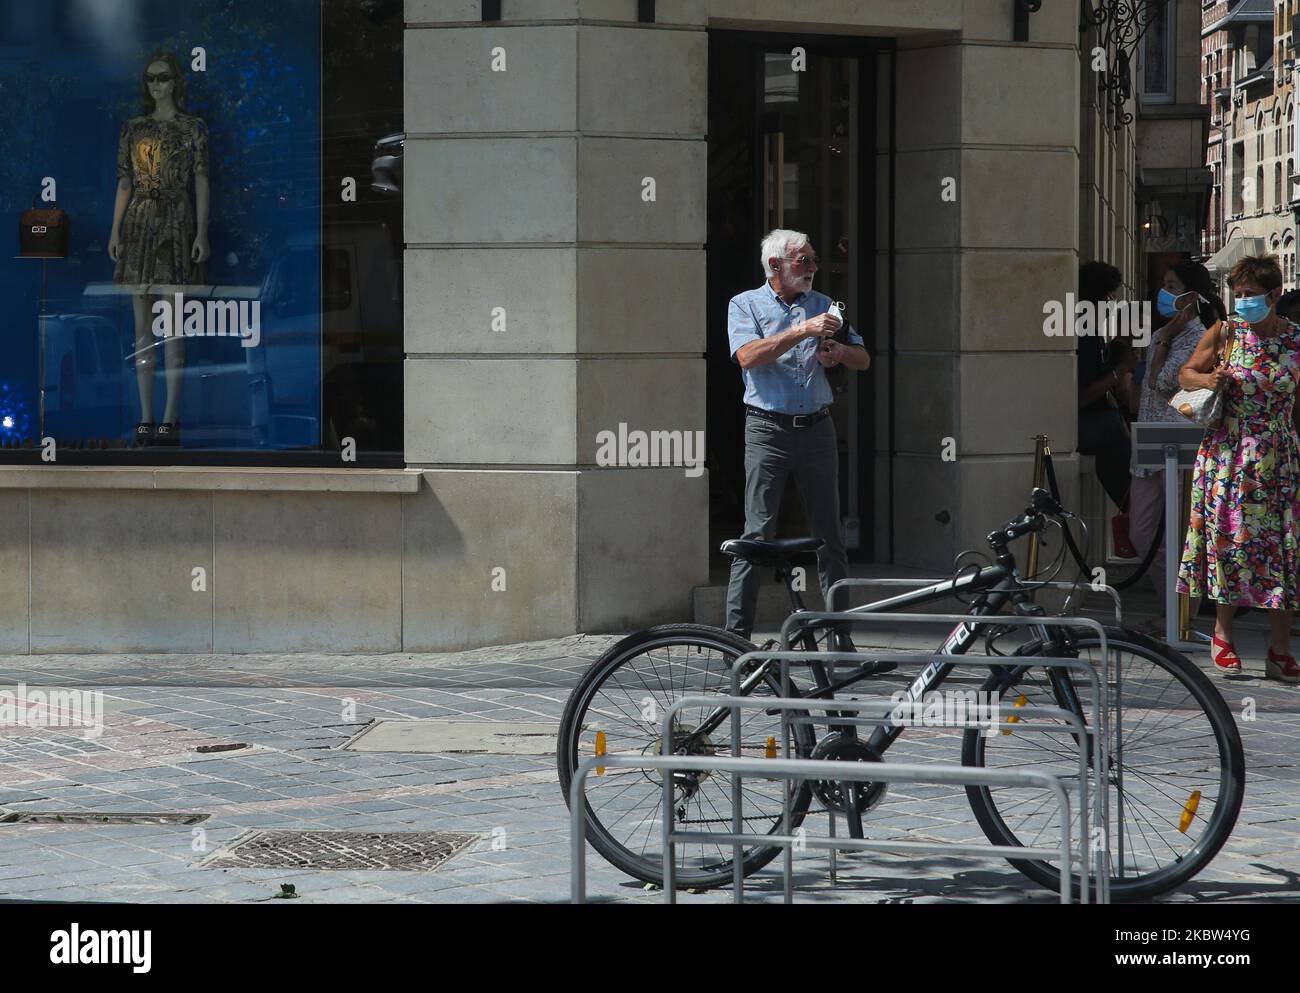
861 615
734 703
789 769
1075 726
808 769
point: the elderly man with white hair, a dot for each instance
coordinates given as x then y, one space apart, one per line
782 337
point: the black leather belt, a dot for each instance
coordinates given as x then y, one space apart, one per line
789 420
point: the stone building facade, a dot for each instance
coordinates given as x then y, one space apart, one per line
560 162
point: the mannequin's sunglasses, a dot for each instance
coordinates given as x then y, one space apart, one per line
162 77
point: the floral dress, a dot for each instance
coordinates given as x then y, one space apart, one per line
1241 542
157 236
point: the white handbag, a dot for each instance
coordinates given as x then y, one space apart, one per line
1205 406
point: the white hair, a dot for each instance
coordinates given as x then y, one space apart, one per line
777 243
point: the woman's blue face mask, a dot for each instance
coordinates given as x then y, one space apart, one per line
1165 303
1253 309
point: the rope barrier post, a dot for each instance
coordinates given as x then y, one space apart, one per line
1040 482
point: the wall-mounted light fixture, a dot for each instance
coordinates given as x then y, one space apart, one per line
1122 24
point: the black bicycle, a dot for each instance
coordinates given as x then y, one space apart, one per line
1179 777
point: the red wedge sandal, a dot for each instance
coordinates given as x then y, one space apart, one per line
1226 658
1282 667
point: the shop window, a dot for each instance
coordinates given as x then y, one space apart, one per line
284 120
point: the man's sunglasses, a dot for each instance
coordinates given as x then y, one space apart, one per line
805 260
162 77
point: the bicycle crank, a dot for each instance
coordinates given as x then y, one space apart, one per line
843 748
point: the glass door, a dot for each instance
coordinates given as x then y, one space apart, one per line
787 116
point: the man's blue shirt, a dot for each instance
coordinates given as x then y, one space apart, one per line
796 382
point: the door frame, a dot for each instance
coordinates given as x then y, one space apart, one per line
866 49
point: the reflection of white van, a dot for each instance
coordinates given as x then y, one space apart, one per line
268 396
83 376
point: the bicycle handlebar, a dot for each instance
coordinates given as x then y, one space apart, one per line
1042 505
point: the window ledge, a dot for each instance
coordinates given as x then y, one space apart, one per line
217 478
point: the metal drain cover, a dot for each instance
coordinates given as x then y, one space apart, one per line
89 817
411 850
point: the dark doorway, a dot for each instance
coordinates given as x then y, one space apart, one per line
792 144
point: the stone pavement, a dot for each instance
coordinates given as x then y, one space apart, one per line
295 712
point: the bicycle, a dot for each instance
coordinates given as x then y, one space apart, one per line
1180 784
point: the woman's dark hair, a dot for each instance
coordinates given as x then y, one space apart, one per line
1097 279
1196 278
174 67
1288 302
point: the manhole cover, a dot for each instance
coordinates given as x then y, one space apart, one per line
85 817
416 850
484 737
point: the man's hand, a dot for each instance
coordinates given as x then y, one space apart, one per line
831 354
821 326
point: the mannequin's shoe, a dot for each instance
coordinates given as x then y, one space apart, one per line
144 434
168 433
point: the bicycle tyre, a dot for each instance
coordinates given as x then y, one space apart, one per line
650 870
1231 771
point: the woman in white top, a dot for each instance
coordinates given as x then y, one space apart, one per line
1189 301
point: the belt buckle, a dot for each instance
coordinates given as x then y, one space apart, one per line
797 418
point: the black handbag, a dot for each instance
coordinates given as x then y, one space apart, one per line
44 233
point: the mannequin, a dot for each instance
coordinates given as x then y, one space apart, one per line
159 241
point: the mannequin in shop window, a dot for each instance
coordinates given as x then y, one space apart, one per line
159 240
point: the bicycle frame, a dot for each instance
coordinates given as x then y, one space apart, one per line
995 586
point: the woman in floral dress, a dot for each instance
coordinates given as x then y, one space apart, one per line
1241 547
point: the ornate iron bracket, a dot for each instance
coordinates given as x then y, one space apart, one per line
1122 25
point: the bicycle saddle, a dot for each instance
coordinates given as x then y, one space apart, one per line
769 551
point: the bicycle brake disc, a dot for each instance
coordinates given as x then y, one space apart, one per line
838 747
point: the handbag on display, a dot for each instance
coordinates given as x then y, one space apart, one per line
44 233
1205 406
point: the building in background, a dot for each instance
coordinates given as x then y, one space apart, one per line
1247 71
1173 123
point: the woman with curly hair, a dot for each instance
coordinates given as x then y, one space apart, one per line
1241 547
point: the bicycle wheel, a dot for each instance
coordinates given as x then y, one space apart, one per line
1180 779
625 695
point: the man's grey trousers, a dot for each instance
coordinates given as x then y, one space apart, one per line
774 455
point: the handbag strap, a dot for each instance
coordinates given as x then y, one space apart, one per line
1226 338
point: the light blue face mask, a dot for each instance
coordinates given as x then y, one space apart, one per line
1253 309
1165 303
